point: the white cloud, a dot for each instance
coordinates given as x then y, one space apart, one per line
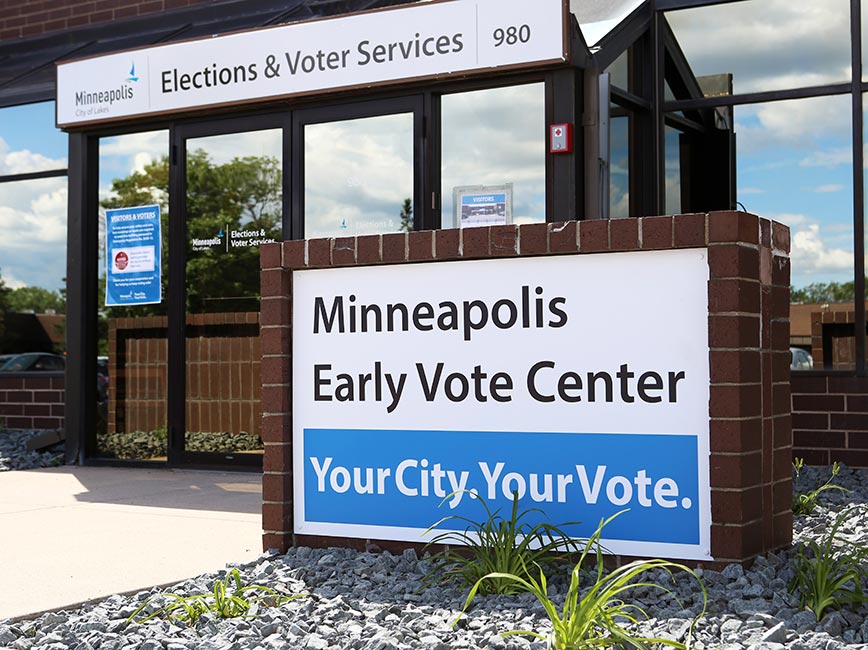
832 187
24 161
769 44
35 211
751 190
828 158
811 256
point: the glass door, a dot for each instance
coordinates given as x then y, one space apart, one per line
359 169
231 187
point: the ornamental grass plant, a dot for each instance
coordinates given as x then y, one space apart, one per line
503 545
228 598
596 614
831 573
805 501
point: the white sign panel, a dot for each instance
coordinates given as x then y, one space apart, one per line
580 382
423 40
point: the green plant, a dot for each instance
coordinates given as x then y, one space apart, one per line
498 544
804 501
832 575
228 598
594 617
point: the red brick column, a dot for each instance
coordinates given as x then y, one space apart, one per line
748 301
276 368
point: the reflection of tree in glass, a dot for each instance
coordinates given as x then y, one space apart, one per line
241 196
406 216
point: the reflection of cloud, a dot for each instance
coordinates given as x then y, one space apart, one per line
832 187
793 123
36 212
357 175
122 155
24 161
828 158
751 190
493 137
768 45
221 149
810 254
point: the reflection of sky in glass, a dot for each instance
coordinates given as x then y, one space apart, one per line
223 149
794 166
35 211
357 174
619 167
768 45
33 215
29 142
119 157
673 171
494 137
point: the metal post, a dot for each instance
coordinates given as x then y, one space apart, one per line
858 183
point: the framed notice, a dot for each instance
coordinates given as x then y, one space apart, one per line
133 256
482 205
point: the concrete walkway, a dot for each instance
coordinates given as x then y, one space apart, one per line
72 534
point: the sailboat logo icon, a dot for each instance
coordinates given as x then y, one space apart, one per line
133 76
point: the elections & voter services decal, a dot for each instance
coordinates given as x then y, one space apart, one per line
580 383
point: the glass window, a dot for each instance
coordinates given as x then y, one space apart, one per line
493 146
795 172
619 166
620 71
358 176
768 45
33 218
29 141
673 171
132 345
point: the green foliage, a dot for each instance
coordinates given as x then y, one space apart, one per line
804 501
35 299
228 598
593 617
824 292
831 575
406 216
497 545
244 195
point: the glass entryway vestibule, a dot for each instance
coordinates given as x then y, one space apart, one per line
185 384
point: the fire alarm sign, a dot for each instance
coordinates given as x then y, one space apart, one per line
561 138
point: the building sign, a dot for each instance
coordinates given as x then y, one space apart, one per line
579 382
479 205
425 40
133 256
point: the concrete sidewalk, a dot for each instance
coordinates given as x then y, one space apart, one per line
71 534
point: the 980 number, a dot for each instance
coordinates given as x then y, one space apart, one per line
511 35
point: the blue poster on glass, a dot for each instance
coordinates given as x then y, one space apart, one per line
133 256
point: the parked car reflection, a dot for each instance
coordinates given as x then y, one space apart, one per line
34 362
800 359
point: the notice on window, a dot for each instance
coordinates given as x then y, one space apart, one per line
480 205
133 256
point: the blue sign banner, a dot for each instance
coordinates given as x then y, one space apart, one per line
133 256
411 479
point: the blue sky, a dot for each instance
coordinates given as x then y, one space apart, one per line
793 157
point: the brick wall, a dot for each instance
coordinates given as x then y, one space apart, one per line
31 400
22 18
751 484
223 382
830 419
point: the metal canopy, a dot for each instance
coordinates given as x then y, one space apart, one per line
27 66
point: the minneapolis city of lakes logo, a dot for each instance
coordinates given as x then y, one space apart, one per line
99 102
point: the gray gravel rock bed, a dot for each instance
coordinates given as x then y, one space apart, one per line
378 601
14 454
